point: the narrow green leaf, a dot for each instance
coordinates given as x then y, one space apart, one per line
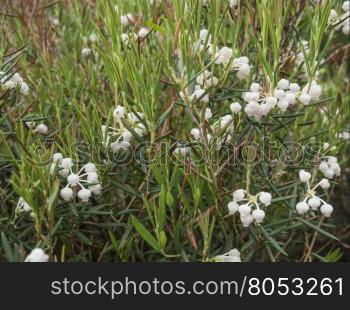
273 242
318 229
145 234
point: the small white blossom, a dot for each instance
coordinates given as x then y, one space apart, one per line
183 151
283 84
208 114
143 32
119 112
247 220
42 129
200 94
232 207
265 198
326 210
325 184
294 88
195 132
258 215
235 107
233 256
86 52
304 176
93 38
37 256
305 99
244 209
66 193
314 203
238 195
23 206
241 65
127 19
233 3
223 56
84 194
204 36
302 207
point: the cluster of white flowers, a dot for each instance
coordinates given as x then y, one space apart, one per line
206 79
312 91
260 104
330 167
224 55
86 175
11 82
240 64
129 19
37 255
256 105
311 200
223 122
123 134
243 202
233 256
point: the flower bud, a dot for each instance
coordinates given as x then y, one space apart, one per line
326 210
302 207
66 193
84 194
304 176
258 215
265 198
232 207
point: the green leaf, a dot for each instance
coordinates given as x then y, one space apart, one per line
154 26
162 239
127 189
145 234
197 196
169 199
273 242
6 246
318 229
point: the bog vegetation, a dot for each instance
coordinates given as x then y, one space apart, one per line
174 130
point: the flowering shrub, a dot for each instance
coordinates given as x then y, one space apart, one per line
213 131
